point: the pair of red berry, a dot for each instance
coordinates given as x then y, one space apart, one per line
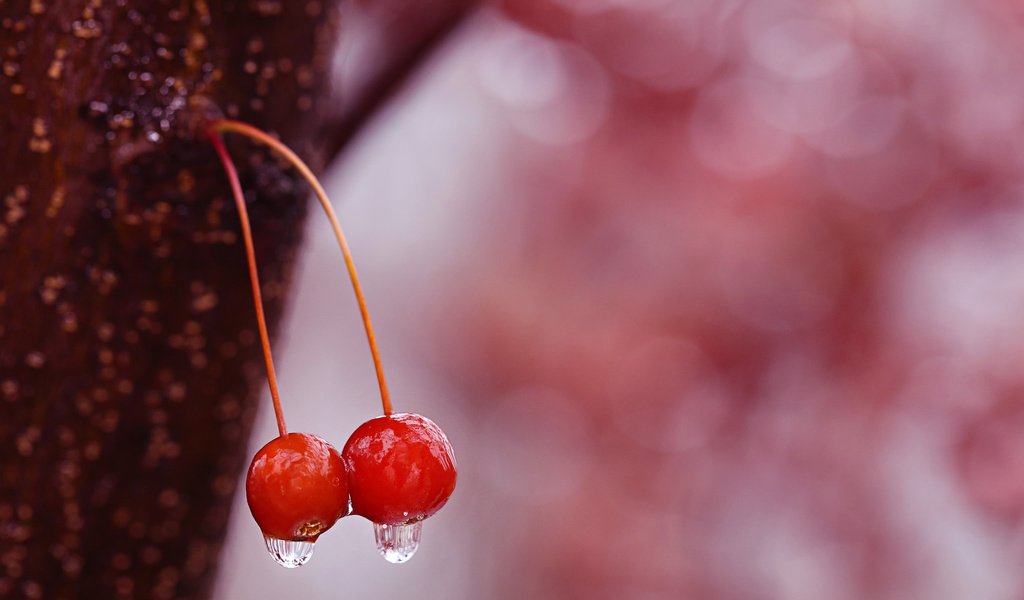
394 470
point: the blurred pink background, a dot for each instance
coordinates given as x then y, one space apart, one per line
715 300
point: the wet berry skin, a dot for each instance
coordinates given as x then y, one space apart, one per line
401 469
297 487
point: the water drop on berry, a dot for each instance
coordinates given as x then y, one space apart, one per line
288 553
397 543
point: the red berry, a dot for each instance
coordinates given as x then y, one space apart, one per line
297 487
401 469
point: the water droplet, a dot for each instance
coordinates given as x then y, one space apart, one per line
289 554
397 543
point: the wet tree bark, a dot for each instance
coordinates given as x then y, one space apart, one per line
129 361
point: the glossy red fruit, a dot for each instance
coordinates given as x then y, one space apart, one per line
297 487
401 469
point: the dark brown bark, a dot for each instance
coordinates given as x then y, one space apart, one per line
129 364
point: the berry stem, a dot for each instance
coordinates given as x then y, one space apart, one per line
254 278
229 126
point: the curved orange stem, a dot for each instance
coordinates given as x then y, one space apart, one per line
229 126
254 278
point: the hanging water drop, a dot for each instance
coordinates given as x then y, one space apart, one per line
397 543
288 553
